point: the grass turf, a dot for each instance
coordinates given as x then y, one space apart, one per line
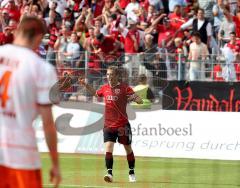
80 170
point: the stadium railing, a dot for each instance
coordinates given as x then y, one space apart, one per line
157 67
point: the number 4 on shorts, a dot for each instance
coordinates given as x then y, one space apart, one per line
4 82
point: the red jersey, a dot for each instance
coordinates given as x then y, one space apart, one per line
234 47
164 34
176 22
107 45
14 13
128 42
116 99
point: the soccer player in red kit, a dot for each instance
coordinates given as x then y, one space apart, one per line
116 126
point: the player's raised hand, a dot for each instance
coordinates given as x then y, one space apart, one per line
55 176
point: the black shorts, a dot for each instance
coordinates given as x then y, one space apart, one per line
122 134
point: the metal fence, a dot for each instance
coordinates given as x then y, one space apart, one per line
158 67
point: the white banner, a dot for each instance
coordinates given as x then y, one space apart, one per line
176 134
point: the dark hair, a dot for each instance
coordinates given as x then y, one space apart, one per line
196 34
200 9
30 27
226 9
233 33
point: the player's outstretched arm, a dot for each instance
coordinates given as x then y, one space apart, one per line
135 98
89 88
51 140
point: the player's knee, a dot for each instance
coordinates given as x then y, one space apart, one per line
109 146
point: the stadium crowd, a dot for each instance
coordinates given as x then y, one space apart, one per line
129 31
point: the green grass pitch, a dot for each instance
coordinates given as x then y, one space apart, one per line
81 170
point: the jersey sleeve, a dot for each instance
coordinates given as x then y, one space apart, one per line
46 78
129 91
100 92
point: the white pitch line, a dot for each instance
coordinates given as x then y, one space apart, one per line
66 185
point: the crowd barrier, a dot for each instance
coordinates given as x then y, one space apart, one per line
158 67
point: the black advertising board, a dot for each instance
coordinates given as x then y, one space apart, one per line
202 96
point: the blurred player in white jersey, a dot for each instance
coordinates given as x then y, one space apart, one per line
25 81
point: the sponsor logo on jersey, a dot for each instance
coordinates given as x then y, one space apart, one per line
117 91
111 98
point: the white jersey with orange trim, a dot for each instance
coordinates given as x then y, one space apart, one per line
25 81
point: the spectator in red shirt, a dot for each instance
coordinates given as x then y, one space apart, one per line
68 18
94 66
176 18
132 37
13 10
106 47
6 36
116 125
166 34
233 44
